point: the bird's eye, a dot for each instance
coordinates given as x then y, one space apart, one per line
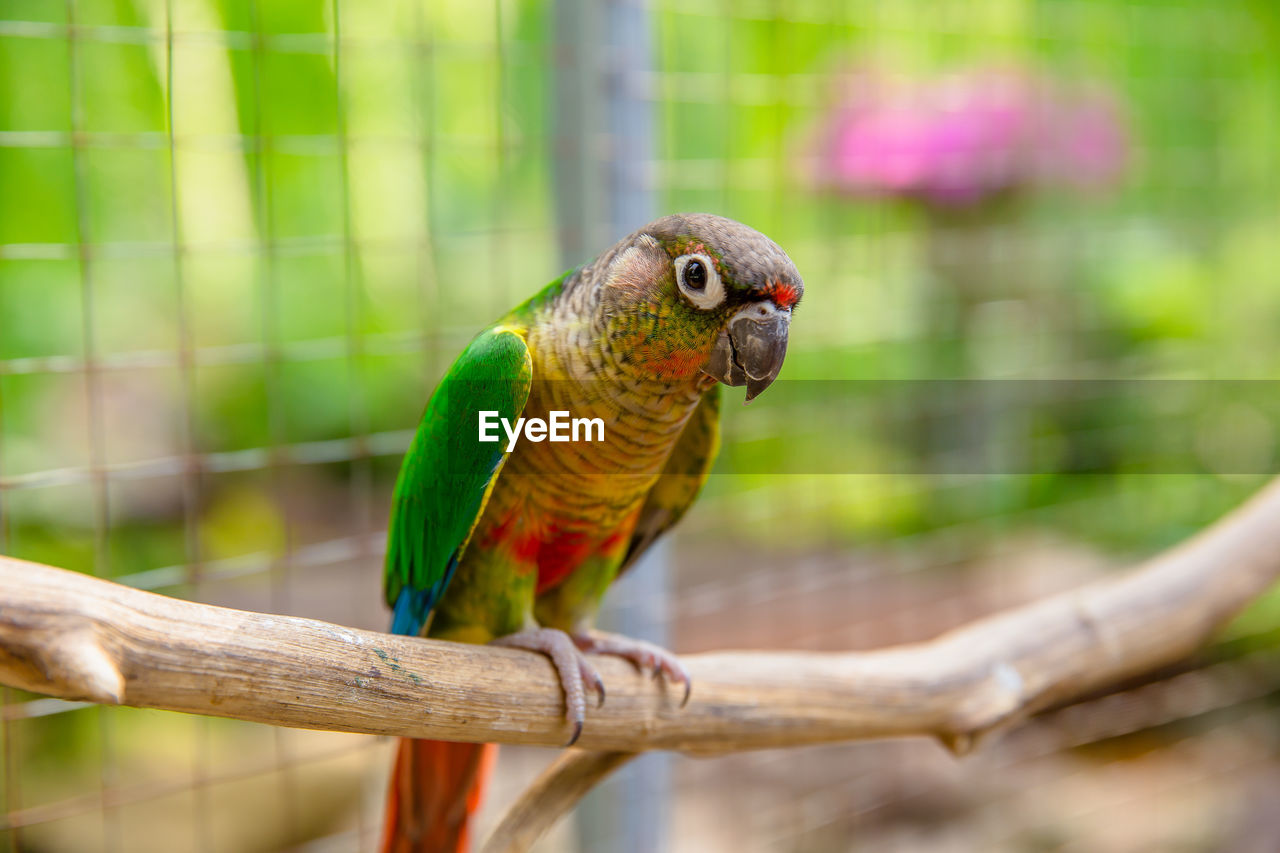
699 282
695 275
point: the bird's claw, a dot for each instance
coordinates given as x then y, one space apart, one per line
575 671
589 674
646 656
568 655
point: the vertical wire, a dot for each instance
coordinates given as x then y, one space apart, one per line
92 378
498 242
576 214
726 100
4 518
268 296
93 400
191 461
753 811
93 389
428 285
186 352
361 484
664 152
8 740
12 793
422 76
779 33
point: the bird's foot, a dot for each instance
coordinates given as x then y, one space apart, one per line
646 656
576 672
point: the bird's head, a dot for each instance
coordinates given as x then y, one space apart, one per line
696 295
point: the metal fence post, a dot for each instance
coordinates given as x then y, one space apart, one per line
604 139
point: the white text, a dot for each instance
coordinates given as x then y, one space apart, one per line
560 427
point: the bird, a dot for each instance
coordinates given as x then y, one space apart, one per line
512 536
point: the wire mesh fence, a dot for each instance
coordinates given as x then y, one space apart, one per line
240 241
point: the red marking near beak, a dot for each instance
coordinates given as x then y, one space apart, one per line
783 295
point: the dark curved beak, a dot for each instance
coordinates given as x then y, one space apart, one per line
751 348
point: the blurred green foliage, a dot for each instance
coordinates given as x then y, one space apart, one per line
333 225
325 229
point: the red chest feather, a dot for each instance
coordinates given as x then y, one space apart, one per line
556 551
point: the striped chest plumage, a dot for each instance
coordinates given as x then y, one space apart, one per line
557 505
560 509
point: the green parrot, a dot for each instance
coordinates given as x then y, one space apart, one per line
506 530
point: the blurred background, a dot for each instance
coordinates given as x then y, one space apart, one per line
240 242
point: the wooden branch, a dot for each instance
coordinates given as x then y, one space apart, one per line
73 636
556 790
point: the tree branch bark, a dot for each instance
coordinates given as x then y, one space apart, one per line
70 635
556 790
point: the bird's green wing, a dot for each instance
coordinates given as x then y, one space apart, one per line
681 479
448 472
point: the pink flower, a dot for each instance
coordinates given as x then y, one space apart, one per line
959 139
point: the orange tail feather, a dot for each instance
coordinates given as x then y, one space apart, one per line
435 788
